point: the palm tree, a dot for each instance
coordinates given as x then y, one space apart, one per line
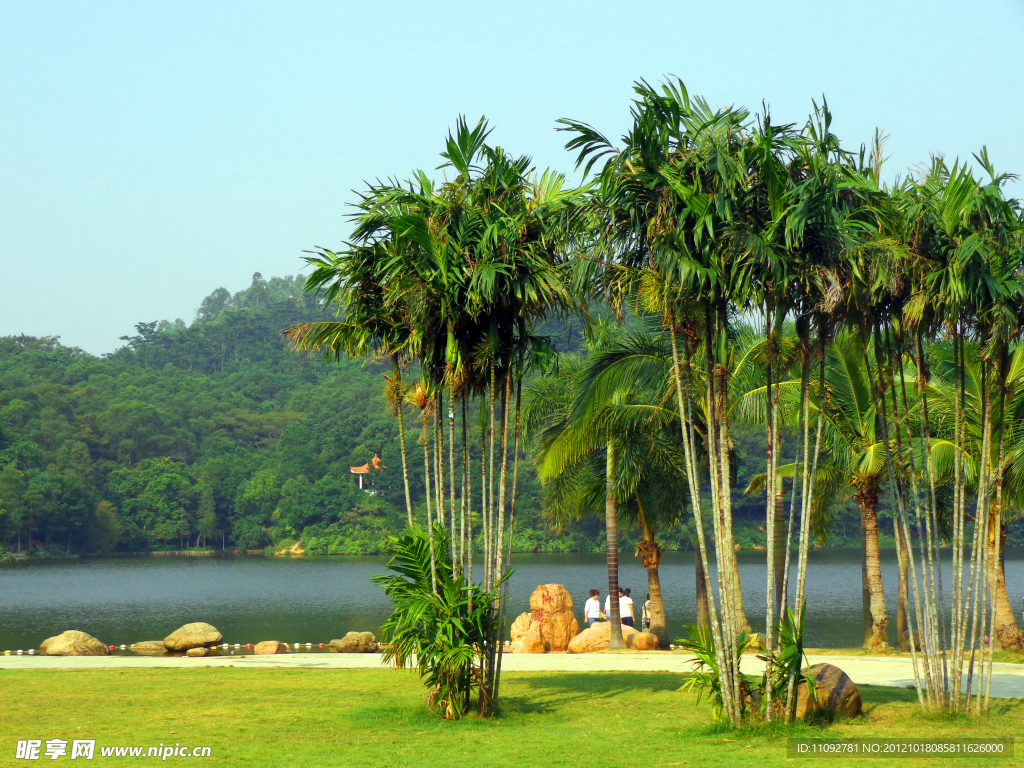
619 391
370 326
452 278
667 199
943 393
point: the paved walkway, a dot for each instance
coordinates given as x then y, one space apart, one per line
1007 679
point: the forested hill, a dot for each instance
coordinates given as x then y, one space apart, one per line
211 432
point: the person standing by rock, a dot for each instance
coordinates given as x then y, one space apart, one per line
592 608
625 608
647 613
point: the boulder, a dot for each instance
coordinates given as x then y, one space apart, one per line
530 642
643 641
148 646
73 643
270 647
197 652
837 696
520 626
597 638
355 642
195 635
551 611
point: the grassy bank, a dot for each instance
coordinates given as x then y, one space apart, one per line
376 719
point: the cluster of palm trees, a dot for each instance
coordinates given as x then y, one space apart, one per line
451 279
774 280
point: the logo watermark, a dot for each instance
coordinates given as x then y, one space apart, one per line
86 749
941 748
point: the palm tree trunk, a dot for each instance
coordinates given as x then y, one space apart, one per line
439 457
650 553
401 437
466 535
1006 628
430 522
903 555
771 518
878 630
451 476
615 642
684 402
701 590
779 554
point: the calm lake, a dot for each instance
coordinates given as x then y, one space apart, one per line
315 599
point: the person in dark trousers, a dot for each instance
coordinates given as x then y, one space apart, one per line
626 615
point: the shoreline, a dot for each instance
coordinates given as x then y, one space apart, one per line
893 672
26 558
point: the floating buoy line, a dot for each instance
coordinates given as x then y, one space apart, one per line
223 646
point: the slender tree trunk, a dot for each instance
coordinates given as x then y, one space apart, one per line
742 623
1006 628
465 551
401 438
451 478
430 522
684 402
867 499
903 555
611 525
439 457
701 590
774 584
779 554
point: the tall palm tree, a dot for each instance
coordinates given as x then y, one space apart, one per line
619 392
943 393
465 269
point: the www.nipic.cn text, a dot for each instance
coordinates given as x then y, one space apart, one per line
85 749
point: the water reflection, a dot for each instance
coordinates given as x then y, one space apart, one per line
316 599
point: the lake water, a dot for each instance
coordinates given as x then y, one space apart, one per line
316 599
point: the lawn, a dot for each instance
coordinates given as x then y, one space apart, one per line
377 719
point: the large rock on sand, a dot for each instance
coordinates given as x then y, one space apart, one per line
837 696
271 647
551 622
148 646
531 642
355 642
597 638
195 635
520 626
73 643
643 641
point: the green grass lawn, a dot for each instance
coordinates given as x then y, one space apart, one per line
377 719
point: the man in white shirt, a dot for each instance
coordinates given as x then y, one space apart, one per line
592 608
625 608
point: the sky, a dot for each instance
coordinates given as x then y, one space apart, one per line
152 152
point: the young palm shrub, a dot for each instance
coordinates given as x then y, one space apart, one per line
782 664
707 678
438 629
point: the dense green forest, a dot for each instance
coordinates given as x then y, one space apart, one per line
216 434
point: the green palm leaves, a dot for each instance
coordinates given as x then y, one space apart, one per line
440 622
451 279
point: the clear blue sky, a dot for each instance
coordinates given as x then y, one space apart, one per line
151 152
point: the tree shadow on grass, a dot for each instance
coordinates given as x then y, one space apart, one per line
873 695
598 684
